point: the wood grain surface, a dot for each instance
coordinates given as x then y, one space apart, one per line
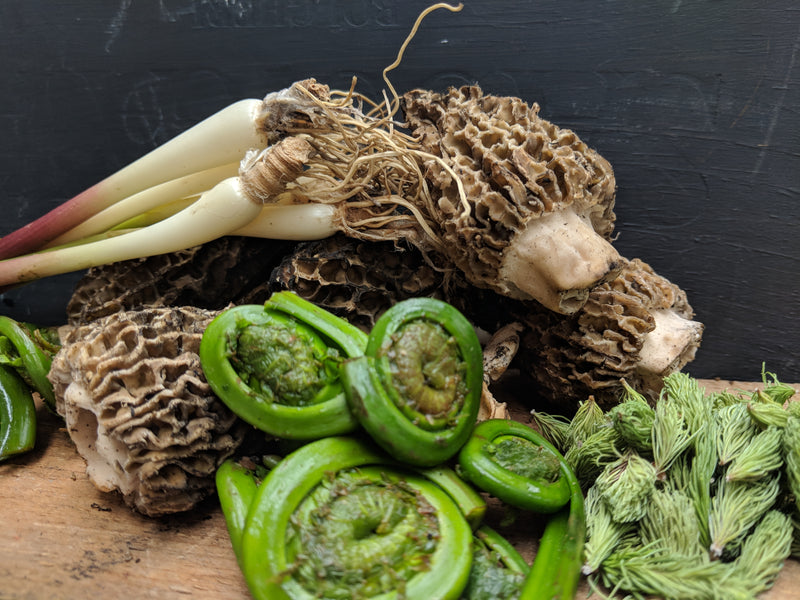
62 539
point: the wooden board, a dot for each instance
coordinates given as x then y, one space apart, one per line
62 539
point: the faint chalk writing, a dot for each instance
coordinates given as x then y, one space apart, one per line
372 85
635 99
776 112
332 14
115 27
142 114
160 106
499 83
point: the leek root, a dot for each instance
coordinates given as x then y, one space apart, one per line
365 175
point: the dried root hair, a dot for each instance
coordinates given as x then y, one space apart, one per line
362 163
371 171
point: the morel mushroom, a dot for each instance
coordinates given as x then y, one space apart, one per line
638 328
209 276
541 201
498 354
139 410
353 279
522 207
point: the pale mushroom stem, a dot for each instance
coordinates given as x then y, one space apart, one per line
490 407
558 258
669 346
498 353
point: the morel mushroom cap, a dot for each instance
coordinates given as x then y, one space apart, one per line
208 276
638 327
139 410
541 201
353 279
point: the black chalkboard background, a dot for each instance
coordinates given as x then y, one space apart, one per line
694 102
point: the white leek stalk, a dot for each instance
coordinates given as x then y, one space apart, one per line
220 210
146 200
294 222
220 139
229 207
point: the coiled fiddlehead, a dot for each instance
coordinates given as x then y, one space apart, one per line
17 414
236 488
556 568
338 519
277 366
29 350
498 570
25 358
515 464
417 389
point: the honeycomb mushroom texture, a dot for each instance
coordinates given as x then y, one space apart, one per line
208 276
638 327
353 279
139 410
541 201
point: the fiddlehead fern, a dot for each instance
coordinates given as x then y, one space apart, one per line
498 570
236 488
556 568
515 464
29 350
338 519
417 389
277 366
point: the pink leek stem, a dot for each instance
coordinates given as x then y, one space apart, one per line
219 211
223 210
220 139
147 200
150 217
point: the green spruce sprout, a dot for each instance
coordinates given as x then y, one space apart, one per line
603 533
764 552
735 508
736 428
670 436
588 419
633 419
626 486
759 458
